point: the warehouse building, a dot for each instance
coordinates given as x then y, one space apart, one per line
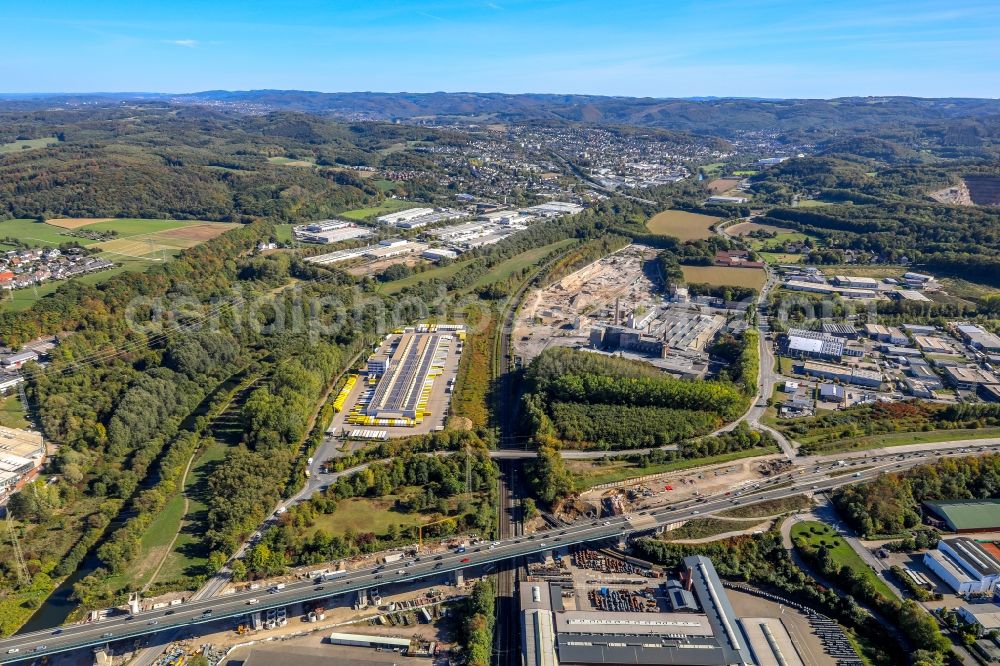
552 635
829 290
840 330
393 219
967 378
842 373
984 617
22 453
325 232
932 345
965 565
855 282
405 374
961 516
979 338
802 343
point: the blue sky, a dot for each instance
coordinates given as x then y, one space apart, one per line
669 48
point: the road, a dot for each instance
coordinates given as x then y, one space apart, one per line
766 377
201 611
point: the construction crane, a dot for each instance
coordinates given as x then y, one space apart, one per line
22 569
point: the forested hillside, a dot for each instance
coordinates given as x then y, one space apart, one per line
153 161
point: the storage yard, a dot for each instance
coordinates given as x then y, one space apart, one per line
21 454
613 306
406 387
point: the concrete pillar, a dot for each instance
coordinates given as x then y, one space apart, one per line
459 577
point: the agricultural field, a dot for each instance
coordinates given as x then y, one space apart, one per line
744 228
811 203
27 144
722 185
682 225
387 206
725 276
138 244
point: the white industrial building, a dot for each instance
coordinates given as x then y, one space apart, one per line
964 565
325 232
403 216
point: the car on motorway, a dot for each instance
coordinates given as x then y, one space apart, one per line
41 648
130 618
13 650
319 588
438 564
400 572
378 576
170 612
492 546
207 611
152 622
464 560
107 635
607 523
253 602
439 557
58 631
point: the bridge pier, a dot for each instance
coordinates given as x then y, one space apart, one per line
459 575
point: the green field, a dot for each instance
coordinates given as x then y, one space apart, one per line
366 515
283 232
682 225
703 528
812 203
864 271
781 258
894 439
292 162
12 411
722 276
33 232
505 269
587 474
500 271
816 534
27 144
387 206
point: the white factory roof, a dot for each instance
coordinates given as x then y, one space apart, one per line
809 345
651 624
986 615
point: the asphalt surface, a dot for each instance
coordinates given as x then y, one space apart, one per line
205 610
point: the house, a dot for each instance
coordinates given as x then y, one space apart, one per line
736 259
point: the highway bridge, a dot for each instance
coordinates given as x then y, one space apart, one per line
812 479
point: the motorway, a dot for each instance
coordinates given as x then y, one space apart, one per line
812 479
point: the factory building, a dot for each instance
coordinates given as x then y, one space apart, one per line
845 374
961 516
707 634
968 378
801 343
325 232
22 453
821 288
408 215
965 565
855 282
979 338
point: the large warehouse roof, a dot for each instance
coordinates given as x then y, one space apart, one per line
968 514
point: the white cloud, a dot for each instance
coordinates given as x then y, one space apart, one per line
187 43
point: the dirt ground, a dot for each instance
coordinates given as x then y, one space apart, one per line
807 643
651 491
562 314
76 222
374 267
720 185
957 195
